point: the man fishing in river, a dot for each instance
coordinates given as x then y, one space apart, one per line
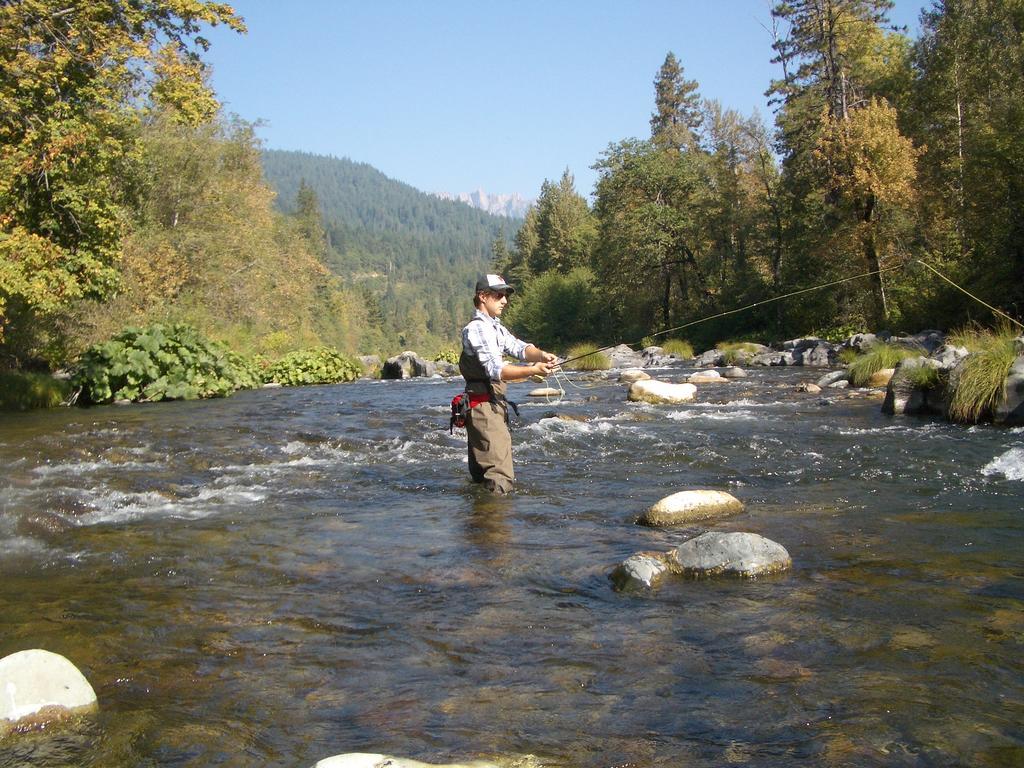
484 341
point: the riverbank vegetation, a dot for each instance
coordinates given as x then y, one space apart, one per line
23 391
679 348
322 365
878 357
978 386
127 199
160 363
586 356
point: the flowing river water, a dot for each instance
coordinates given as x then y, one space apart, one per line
288 574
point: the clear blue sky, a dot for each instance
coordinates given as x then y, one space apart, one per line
453 96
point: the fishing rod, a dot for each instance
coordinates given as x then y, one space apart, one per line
797 293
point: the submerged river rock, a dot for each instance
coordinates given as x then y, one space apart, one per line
739 554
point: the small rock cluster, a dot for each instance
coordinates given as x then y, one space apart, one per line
713 553
903 395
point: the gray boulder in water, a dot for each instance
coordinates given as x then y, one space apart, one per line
831 378
1011 411
711 358
773 359
821 355
406 366
623 356
903 397
738 554
947 356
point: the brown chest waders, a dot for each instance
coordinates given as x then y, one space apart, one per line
487 432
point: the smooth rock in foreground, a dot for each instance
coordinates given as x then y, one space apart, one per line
41 686
690 506
657 392
738 554
370 760
644 570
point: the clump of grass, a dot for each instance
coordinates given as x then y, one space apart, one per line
879 356
589 358
26 391
734 351
678 347
979 379
923 377
848 355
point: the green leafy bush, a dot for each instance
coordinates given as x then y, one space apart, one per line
678 347
837 333
978 381
555 309
877 357
160 363
25 391
320 365
449 355
589 358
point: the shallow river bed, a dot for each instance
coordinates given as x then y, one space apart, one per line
283 575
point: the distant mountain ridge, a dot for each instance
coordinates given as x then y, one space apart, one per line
414 255
512 206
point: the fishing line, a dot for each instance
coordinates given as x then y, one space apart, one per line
964 290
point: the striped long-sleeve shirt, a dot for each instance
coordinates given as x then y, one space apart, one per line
488 340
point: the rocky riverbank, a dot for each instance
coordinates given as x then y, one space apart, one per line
910 389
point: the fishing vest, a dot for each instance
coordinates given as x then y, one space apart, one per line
478 382
480 388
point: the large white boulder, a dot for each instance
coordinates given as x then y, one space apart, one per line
689 506
42 686
738 554
658 392
372 760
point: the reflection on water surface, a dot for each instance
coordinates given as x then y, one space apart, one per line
283 575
